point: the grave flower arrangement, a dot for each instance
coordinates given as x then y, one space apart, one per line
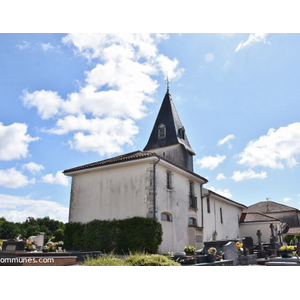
189 249
287 248
51 246
212 250
239 246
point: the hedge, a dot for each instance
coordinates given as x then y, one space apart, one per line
121 236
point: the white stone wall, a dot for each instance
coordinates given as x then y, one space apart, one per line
250 229
117 191
212 221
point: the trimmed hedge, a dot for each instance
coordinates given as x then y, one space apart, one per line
120 236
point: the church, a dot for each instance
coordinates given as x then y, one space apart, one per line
158 182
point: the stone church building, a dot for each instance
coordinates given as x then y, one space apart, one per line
158 182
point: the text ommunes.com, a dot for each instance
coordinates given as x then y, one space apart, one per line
27 260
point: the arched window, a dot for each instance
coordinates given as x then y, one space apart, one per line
192 222
165 216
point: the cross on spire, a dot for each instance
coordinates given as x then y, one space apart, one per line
167 82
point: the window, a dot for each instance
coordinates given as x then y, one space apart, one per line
169 181
221 215
165 216
208 205
162 131
181 133
192 197
192 222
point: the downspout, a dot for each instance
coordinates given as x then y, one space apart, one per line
154 189
202 221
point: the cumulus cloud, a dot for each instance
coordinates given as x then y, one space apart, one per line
11 178
226 140
58 178
17 209
253 38
273 150
115 93
249 174
210 162
221 176
14 141
33 167
286 199
226 193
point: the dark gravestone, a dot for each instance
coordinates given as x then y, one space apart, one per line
13 246
248 245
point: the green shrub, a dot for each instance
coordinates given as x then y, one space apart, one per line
140 259
122 236
137 259
105 260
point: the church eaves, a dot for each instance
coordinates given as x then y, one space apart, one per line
168 129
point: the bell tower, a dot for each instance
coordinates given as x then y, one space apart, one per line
168 137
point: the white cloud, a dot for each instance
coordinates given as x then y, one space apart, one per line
24 45
226 140
209 57
210 162
48 103
224 193
221 176
12 178
14 141
58 178
249 174
272 150
17 209
115 92
286 199
253 38
33 167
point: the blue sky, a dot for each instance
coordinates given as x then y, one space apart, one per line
72 99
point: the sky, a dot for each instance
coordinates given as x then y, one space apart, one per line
73 99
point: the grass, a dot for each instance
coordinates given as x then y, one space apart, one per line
137 259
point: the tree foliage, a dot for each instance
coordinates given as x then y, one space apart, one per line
30 227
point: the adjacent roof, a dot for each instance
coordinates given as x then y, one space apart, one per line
256 217
128 157
207 192
293 231
266 207
168 116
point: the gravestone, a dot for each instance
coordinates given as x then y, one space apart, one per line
248 245
231 252
261 252
13 245
39 241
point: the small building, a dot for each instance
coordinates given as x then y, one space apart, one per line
158 182
262 214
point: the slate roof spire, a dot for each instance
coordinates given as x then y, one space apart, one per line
168 129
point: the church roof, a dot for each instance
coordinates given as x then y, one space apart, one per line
175 133
128 157
207 192
266 207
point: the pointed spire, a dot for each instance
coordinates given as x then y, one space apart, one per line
168 129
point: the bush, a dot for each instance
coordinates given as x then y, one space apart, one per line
104 260
122 236
140 259
137 259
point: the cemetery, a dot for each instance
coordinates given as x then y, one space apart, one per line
227 252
